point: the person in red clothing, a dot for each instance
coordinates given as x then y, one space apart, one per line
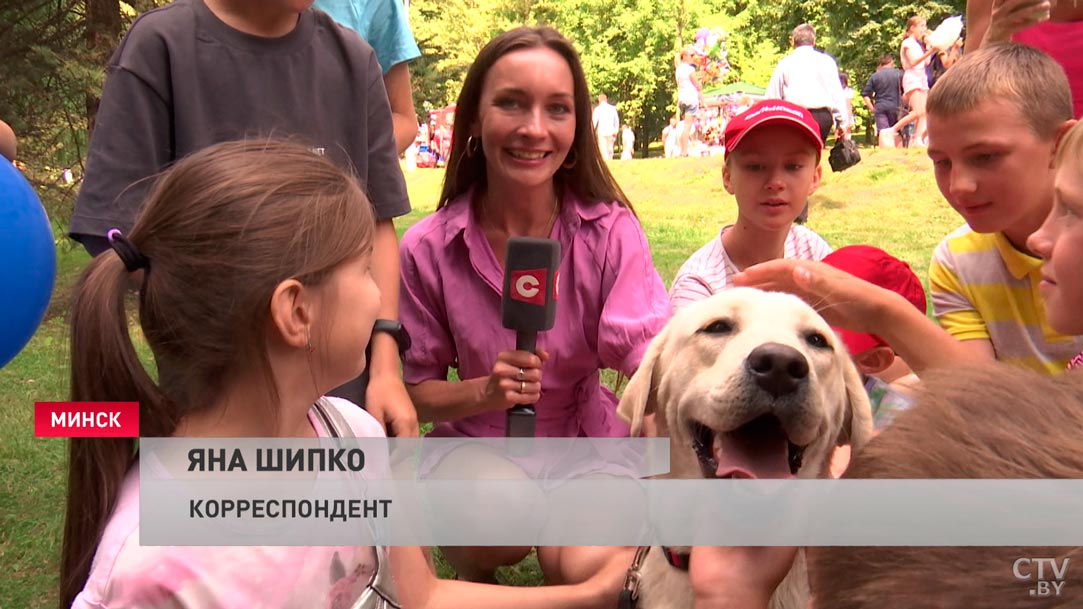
1055 27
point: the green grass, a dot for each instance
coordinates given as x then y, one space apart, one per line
889 200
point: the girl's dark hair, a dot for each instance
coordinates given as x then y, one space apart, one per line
589 177
222 228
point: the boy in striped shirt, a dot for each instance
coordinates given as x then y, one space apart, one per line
994 124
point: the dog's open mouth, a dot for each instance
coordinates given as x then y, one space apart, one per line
757 449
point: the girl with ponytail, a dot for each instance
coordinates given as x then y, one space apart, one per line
251 263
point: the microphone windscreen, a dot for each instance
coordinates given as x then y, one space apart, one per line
531 276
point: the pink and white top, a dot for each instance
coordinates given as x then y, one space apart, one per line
710 270
126 574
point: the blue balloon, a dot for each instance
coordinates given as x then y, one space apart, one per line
27 261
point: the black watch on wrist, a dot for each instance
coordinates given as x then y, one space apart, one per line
396 330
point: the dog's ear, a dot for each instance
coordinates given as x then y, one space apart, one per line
857 417
638 399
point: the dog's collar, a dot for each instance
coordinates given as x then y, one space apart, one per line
677 560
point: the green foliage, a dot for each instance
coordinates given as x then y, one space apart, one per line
752 56
627 50
626 47
46 78
52 70
450 34
856 32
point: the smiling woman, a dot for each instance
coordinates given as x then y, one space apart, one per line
524 162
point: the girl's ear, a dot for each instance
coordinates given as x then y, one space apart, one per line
291 312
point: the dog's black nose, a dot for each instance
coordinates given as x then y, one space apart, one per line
777 369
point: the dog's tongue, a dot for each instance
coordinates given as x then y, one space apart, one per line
759 449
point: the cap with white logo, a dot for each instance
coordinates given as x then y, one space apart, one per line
772 112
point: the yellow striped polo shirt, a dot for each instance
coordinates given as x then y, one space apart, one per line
982 287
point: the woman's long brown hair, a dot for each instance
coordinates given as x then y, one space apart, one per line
588 177
221 229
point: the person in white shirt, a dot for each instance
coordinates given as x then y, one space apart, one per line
627 143
606 125
669 138
810 79
689 98
847 100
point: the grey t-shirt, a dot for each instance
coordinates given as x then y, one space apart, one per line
183 80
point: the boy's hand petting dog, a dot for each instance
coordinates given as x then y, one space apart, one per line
841 298
745 577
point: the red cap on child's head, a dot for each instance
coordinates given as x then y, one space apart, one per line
772 112
880 268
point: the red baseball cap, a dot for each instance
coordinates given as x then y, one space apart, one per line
880 268
772 112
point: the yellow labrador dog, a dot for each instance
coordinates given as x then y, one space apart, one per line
745 384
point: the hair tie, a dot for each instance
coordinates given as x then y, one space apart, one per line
129 254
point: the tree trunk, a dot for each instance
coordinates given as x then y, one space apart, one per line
102 34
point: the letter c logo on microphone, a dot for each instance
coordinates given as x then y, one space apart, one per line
529 286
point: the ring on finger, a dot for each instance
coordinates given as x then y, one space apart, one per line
522 386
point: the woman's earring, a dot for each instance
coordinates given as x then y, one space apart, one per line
473 144
571 159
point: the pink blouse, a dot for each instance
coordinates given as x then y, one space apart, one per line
612 302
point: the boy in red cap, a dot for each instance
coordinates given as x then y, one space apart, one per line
889 382
888 379
772 166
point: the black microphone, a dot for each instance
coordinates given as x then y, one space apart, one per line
529 306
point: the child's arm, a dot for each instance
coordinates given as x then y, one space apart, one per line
400 94
909 54
866 95
847 301
386 397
